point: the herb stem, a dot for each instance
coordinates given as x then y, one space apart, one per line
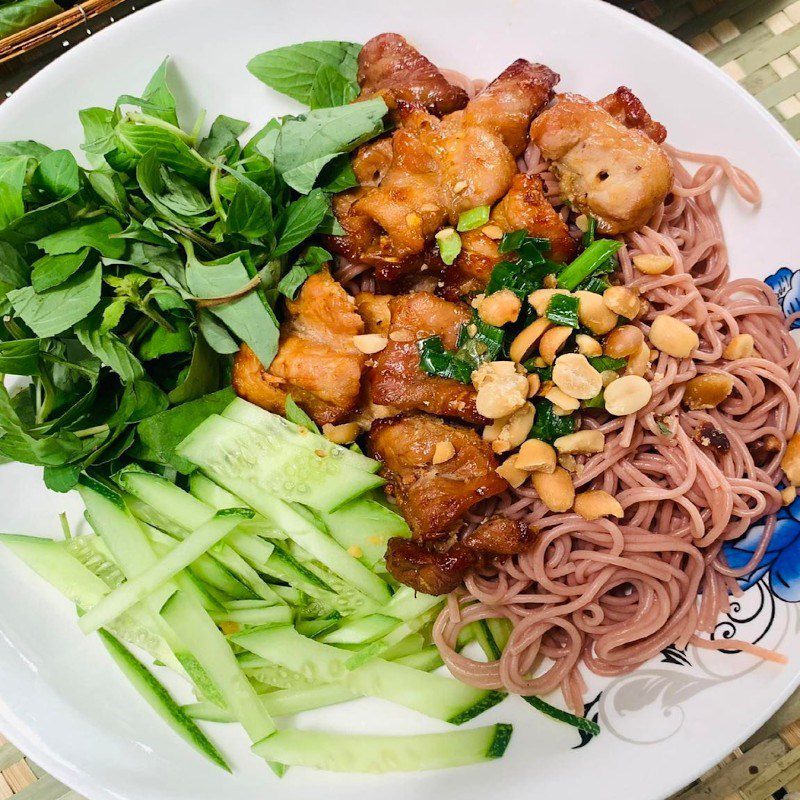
86 432
146 119
213 188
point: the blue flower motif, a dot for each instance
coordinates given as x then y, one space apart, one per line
786 284
782 559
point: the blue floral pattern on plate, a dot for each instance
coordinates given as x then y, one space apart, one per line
786 285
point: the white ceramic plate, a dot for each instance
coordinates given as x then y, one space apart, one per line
61 699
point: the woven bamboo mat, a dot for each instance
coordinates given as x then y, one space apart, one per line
757 42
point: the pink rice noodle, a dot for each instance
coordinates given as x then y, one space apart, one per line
607 596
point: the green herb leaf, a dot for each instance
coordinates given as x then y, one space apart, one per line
223 139
24 147
306 144
202 377
162 433
449 243
563 310
111 351
249 317
15 17
292 70
160 342
50 271
56 310
62 479
296 414
99 136
137 139
20 357
157 99
309 263
472 219
603 363
549 426
140 400
250 212
12 180
338 175
303 217
331 88
599 254
57 175
97 234
216 334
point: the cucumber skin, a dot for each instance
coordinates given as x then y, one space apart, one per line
160 700
379 754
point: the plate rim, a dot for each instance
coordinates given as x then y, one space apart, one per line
16 731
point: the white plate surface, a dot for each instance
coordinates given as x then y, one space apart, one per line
61 699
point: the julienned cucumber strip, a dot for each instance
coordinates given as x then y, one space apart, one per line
367 753
214 654
139 587
363 630
223 448
170 502
53 563
160 700
311 539
281 703
433 695
254 617
284 431
581 723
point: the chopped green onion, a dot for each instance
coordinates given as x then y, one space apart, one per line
549 426
544 373
434 360
474 218
482 333
605 363
596 255
599 401
449 245
591 231
516 241
563 310
581 723
596 284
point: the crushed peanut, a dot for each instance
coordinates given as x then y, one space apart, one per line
595 504
443 451
552 341
741 346
673 337
588 346
536 456
513 430
561 400
651 264
501 389
492 231
369 343
623 341
790 463
228 627
622 301
550 281
460 187
509 470
534 384
340 434
413 220
555 489
402 335
639 362
576 377
608 376
594 313
540 299
355 551
627 395
582 223
788 495
581 442
568 462
708 390
499 308
527 338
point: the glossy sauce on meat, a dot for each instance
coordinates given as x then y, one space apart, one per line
433 497
317 362
617 174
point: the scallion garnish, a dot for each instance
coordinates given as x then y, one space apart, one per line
449 245
528 272
598 401
596 255
563 310
474 218
605 363
590 232
549 426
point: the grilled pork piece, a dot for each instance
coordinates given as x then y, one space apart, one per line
316 363
397 380
390 67
628 109
500 536
523 207
426 569
616 173
433 497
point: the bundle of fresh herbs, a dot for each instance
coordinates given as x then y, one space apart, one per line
126 287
